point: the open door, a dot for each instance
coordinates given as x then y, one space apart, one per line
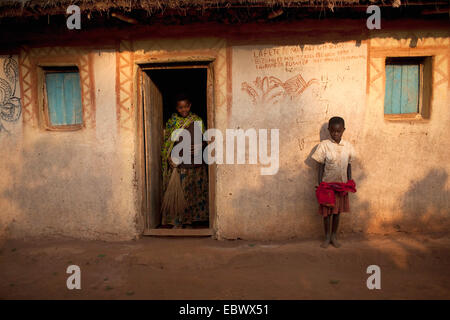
159 87
153 138
212 167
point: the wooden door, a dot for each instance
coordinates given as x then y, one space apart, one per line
153 131
211 167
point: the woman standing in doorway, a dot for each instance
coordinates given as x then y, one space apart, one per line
194 176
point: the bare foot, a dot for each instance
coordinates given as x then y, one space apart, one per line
335 242
325 243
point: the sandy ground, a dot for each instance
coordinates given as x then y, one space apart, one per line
412 267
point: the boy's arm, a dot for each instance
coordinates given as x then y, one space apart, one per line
321 169
349 172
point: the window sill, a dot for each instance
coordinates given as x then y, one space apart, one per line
65 128
405 117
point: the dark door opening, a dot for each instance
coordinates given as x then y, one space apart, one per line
191 81
161 85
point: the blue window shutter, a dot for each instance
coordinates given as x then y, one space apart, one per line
396 89
410 89
389 89
402 89
64 98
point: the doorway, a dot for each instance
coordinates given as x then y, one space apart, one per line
160 84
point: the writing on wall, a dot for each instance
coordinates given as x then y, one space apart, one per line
292 58
298 87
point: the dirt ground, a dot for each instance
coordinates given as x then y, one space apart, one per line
412 267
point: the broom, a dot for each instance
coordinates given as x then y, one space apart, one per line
174 202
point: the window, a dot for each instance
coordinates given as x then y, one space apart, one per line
62 92
407 87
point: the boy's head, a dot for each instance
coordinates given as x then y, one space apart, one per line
336 127
183 104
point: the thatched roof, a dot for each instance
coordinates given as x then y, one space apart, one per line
38 22
15 8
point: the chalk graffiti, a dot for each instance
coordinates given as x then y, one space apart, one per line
272 89
10 106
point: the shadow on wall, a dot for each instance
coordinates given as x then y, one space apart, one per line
279 207
285 206
323 134
424 207
290 195
61 188
427 201
356 220
418 208
423 210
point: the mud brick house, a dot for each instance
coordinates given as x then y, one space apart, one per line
80 160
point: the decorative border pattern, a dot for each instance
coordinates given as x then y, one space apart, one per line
26 80
406 39
124 85
156 49
29 61
406 44
440 72
86 69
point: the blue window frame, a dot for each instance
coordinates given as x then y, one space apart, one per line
63 92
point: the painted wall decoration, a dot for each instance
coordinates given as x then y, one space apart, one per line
401 44
124 85
131 53
270 88
299 86
29 61
10 104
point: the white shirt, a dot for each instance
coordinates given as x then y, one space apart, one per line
336 157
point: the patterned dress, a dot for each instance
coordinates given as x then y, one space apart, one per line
194 179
